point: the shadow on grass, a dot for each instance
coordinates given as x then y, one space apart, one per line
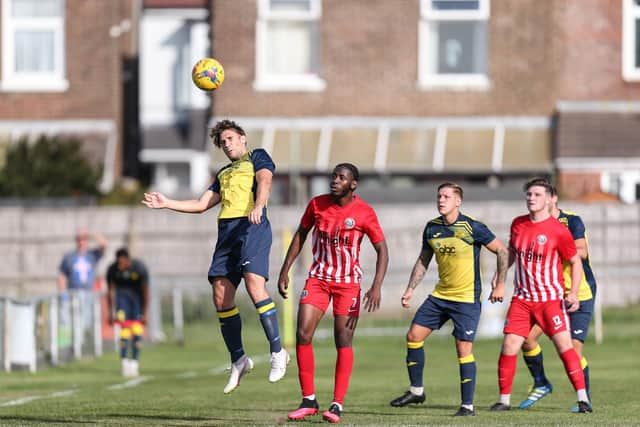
9 418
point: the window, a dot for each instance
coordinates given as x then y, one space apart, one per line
33 45
453 45
288 45
631 40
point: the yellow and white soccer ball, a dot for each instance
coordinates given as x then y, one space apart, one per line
207 74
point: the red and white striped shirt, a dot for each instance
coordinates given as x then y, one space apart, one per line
539 249
337 234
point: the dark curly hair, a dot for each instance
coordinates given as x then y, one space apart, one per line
351 168
223 125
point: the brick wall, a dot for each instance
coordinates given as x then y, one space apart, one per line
592 56
573 185
92 63
369 62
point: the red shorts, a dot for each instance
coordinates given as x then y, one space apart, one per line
346 296
551 316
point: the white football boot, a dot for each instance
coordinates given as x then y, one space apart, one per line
242 366
124 367
279 362
133 368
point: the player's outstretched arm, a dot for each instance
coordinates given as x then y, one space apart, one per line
373 296
157 200
417 274
292 253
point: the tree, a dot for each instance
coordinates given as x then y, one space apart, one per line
48 167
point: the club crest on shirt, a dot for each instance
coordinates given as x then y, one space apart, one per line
349 223
541 239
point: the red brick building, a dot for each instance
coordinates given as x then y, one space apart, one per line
61 65
411 91
429 88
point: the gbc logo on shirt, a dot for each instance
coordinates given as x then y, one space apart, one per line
445 250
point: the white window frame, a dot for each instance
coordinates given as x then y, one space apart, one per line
292 82
12 81
428 81
630 13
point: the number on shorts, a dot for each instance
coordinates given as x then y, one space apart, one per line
557 320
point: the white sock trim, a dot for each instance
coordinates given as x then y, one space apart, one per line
418 391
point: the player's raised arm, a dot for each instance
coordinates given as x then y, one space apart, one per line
156 200
373 296
417 274
292 253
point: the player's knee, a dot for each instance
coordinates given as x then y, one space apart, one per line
413 337
304 337
222 302
511 344
343 339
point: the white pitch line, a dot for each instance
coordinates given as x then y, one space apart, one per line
129 384
21 401
63 393
187 375
27 399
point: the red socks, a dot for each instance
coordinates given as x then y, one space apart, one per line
306 371
306 368
506 372
344 366
573 367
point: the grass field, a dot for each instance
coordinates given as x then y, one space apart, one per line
182 385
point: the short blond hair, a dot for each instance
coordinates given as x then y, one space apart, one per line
455 187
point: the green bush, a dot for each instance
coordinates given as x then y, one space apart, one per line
48 167
126 192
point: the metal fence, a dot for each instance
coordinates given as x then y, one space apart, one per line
50 329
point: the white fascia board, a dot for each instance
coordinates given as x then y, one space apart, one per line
338 122
595 164
598 106
167 155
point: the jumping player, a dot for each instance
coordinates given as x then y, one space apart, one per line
244 240
340 220
539 243
128 283
456 240
579 319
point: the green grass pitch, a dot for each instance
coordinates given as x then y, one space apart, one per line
182 385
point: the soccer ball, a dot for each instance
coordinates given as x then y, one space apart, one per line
207 74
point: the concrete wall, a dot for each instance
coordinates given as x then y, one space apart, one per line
178 247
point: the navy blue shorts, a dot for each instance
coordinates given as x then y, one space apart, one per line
241 248
128 305
434 312
580 320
